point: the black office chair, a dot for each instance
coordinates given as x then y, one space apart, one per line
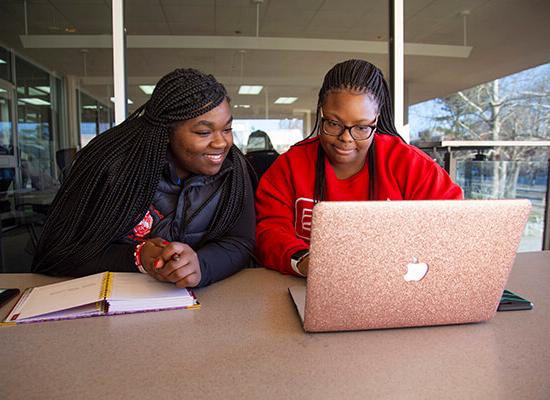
261 160
260 153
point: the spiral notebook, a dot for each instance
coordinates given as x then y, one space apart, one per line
106 293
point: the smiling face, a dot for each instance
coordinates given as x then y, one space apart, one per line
201 144
346 155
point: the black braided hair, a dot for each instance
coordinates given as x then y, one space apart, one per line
362 77
113 179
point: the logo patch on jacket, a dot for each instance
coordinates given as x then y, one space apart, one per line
143 229
302 219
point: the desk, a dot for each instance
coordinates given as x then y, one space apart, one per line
247 343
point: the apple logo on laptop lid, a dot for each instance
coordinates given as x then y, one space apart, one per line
416 271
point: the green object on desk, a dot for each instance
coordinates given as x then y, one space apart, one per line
510 301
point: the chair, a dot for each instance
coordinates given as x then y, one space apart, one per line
261 160
260 153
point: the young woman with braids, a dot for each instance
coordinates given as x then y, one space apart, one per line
357 154
165 193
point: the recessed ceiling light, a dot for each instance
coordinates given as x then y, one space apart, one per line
2 61
250 89
90 107
30 91
34 101
45 89
147 89
129 101
286 100
241 106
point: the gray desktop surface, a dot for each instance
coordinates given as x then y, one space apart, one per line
247 342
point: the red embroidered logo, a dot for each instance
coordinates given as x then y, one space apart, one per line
144 227
302 219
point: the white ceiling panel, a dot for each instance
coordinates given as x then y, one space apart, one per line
506 35
292 4
188 3
144 11
279 23
145 27
352 6
326 24
61 3
198 15
229 20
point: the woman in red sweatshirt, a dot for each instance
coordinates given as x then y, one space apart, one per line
357 154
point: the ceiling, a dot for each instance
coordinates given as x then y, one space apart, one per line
505 36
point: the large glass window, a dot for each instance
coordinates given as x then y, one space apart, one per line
94 118
475 87
49 73
88 119
509 112
59 107
104 117
251 134
271 56
34 126
6 123
5 65
7 158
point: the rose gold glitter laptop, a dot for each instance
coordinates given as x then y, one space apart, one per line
389 264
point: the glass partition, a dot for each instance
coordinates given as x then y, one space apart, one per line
104 116
35 127
271 56
5 65
95 118
88 118
516 171
509 180
50 68
463 83
7 157
252 134
6 122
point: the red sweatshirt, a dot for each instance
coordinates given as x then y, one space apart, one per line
284 199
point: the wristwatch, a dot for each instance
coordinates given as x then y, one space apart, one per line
296 258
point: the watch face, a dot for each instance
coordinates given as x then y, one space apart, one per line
299 255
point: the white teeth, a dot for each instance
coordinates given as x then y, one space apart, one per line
214 157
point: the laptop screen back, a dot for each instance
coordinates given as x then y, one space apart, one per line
409 263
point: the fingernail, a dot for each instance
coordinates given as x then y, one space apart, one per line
156 264
165 242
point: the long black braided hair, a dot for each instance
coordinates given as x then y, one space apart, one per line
113 179
362 77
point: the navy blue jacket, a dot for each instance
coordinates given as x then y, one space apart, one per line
173 216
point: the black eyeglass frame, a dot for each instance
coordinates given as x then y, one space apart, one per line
349 128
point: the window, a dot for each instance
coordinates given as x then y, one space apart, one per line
95 118
34 126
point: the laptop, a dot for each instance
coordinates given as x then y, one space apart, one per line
390 264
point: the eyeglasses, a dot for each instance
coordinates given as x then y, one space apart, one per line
357 132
